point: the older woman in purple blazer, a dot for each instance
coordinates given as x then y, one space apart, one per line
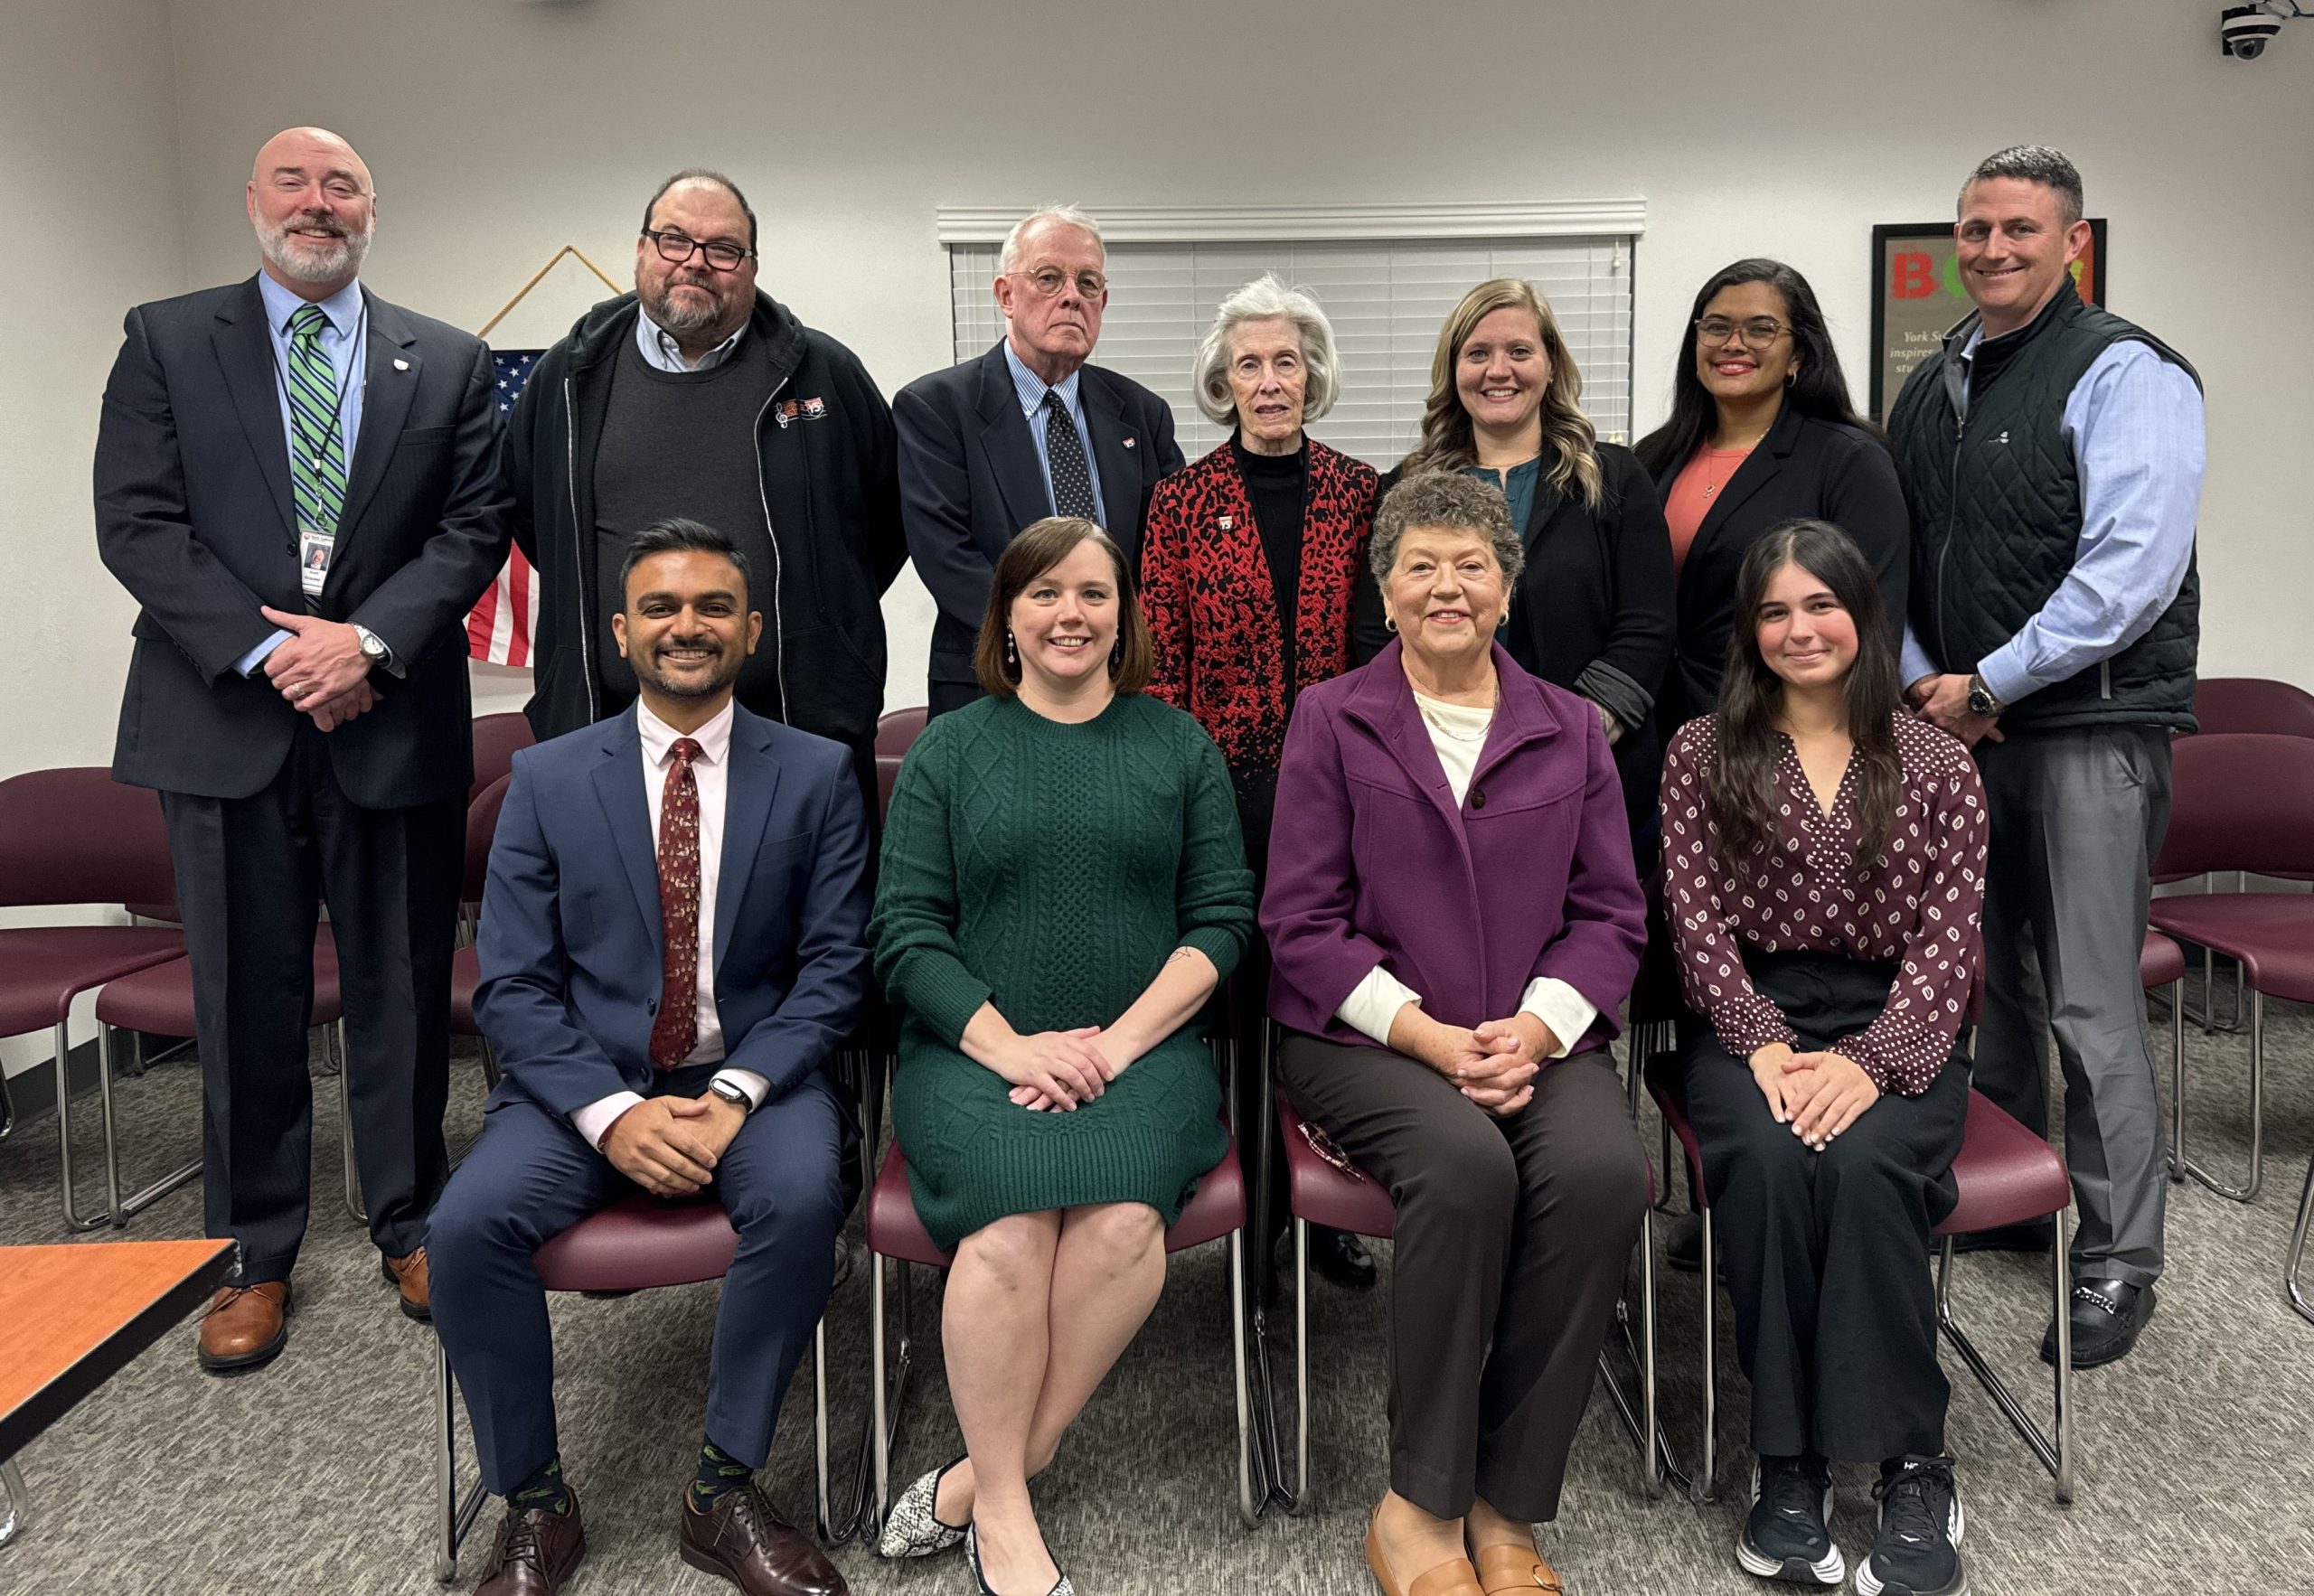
1454 921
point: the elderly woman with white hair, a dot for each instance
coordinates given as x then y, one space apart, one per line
1249 562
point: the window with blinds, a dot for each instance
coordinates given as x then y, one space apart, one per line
1385 301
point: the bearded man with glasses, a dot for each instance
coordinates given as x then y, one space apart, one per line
1025 431
698 395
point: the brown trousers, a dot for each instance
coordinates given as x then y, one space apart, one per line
1513 1240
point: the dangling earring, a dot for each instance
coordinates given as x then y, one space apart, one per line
1012 654
1389 622
1117 654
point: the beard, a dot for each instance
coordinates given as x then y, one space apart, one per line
687 315
311 261
726 673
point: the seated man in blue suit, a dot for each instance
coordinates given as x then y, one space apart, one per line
664 1016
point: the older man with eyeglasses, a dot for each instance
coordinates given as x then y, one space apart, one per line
1025 431
698 395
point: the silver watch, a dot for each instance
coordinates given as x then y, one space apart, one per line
374 647
730 1094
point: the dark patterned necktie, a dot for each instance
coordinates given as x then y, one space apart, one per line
1072 481
676 1031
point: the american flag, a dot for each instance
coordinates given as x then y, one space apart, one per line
500 628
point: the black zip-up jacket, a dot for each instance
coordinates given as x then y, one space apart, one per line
827 463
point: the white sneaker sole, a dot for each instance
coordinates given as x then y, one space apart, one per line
1831 1570
1956 1525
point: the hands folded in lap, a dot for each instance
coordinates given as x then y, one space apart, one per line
1817 1094
669 1146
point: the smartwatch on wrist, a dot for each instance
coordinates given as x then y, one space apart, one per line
731 1095
1981 698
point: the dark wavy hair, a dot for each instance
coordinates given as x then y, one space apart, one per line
1742 782
1040 546
1819 388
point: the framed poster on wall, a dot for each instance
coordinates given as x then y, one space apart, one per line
1916 296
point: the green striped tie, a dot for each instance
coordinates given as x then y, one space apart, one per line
317 454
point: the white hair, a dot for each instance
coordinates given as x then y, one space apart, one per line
1267 299
1008 259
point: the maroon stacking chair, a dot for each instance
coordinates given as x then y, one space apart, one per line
2007 1176
158 1001
878 1042
2242 802
895 734
465 964
76 836
896 1234
636 1244
1320 1191
497 738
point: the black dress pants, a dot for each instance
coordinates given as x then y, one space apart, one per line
1827 1252
1513 1237
252 874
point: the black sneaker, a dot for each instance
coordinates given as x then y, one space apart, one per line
1918 1550
1784 1538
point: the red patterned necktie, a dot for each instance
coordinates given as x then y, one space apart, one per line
676 1031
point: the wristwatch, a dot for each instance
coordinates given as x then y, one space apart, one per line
1981 698
731 1095
374 647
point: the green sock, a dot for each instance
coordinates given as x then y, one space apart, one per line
542 1489
719 1473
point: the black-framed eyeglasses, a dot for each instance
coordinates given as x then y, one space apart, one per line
675 248
1757 332
1049 280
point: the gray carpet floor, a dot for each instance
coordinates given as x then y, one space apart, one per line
2196 1467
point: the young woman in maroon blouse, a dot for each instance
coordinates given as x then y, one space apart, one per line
1823 874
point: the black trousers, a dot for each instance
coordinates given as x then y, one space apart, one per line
1513 1239
252 874
1827 1252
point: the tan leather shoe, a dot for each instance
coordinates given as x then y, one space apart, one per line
409 1274
246 1327
1503 1570
1453 1577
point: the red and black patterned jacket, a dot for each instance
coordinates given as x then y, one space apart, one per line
1213 616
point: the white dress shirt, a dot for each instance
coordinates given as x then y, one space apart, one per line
1458 732
711 771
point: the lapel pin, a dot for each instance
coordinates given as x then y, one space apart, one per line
1128 443
401 365
1226 523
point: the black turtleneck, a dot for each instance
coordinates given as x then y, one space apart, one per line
1278 485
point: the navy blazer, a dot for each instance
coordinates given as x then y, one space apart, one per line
570 943
970 480
195 517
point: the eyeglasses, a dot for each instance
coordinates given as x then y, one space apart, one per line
1325 1148
675 248
1049 280
1756 333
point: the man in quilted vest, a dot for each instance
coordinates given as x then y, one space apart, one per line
2051 455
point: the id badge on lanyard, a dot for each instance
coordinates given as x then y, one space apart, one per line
314 548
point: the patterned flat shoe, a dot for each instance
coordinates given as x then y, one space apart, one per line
980 1579
913 1530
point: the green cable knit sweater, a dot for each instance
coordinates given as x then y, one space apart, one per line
1051 870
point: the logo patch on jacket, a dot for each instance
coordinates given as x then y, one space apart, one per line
809 410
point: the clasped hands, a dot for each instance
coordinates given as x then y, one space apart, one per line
321 669
669 1146
1943 702
1493 1063
1059 1070
1817 1094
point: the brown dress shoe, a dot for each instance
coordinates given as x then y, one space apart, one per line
1504 1569
409 1274
246 1327
536 1550
742 1539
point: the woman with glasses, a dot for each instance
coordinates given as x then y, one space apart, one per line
1454 922
1593 612
1823 872
1761 431
1247 569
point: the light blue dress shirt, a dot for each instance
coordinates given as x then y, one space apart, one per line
345 339
660 351
2139 447
1031 390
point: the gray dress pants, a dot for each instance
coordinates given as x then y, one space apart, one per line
2077 815
1513 1237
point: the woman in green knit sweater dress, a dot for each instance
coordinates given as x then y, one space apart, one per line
1063 886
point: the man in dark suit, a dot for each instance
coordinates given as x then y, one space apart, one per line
298 483
990 445
663 1016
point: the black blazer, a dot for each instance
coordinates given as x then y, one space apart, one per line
193 516
1803 467
1591 612
970 480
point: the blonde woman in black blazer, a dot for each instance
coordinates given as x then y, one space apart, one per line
1761 416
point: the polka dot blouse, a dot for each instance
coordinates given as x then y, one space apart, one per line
1921 905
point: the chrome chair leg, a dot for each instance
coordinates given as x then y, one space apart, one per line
881 1438
823 1511
63 1045
354 1207
452 1517
2248 1189
1707 1482
19 1516
1301 1364
2053 1446
2177 991
2298 1298
7 1108
124 1207
1652 1472
1248 1509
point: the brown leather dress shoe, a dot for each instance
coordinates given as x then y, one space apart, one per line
535 1552
742 1539
1453 1577
409 1274
1506 1569
246 1327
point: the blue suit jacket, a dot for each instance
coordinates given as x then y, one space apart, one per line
570 944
